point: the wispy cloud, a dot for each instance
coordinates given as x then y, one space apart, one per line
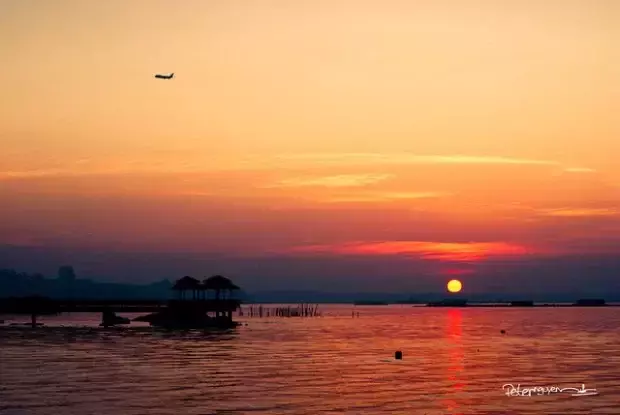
455 272
196 164
343 180
56 172
404 158
579 212
579 170
25 174
439 251
384 197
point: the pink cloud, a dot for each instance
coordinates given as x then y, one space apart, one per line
438 251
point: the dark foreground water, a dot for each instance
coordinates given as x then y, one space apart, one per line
456 361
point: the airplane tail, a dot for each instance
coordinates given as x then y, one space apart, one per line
172 75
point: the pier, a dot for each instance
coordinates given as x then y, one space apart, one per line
192 307
47 306
301 310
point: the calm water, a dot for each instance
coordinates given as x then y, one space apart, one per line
455 361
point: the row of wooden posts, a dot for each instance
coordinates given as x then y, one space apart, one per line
301 310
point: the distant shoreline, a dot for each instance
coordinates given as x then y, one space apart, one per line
470 305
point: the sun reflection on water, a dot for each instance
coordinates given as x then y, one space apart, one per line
455 355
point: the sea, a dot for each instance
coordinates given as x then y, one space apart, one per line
454 361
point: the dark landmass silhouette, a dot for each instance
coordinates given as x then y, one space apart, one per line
67 286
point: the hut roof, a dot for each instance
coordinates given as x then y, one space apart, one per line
186 283
218 282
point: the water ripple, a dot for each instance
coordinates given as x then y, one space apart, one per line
455 362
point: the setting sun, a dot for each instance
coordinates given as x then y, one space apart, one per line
454 286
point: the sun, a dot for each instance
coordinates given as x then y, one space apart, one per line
454 286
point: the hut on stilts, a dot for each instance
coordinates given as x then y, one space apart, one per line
194 307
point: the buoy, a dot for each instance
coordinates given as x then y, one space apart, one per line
398 355
503 331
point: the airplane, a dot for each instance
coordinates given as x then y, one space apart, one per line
159 76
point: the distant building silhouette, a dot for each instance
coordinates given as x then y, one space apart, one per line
19 284
66 273
66 276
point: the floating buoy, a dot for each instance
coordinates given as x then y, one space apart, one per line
398 355
503 331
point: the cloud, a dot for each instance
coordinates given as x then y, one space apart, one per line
404 158
194 163
579 170
343 180
26 174
257 168
384 197
438 251
76 172
456 272
579 212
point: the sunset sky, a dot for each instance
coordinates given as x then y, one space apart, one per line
316 144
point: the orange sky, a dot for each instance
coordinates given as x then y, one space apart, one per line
447 130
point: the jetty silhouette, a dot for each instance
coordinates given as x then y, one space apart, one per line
194 307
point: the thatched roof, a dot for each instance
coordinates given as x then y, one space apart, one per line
218 282
186 283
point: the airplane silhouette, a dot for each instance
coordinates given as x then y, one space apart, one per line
159 76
